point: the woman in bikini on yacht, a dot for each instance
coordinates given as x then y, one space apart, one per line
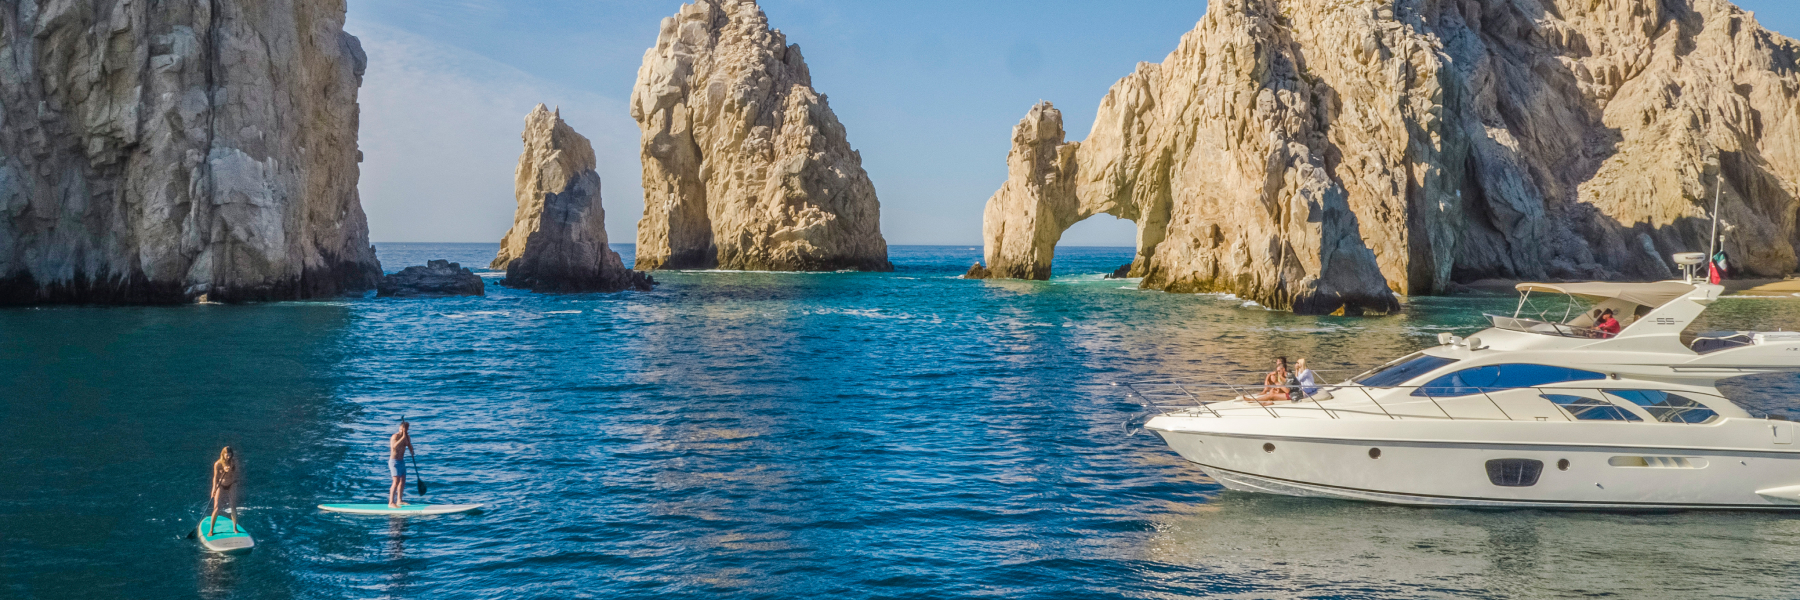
227 473
1276 386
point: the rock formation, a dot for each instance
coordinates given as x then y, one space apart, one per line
156 152
436 278
558 239
1314 154
745 166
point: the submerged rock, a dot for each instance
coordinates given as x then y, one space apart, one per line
745 165
1323 155
436 278
157 152
558 239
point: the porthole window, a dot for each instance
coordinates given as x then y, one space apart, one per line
1514 472
1374 453
1268 447
1562 465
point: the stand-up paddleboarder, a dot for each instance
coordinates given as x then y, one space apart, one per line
398 444
227 474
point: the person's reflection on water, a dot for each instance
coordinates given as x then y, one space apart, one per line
396 545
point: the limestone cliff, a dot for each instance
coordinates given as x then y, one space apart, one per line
745 165
158 151
1306 153
558 239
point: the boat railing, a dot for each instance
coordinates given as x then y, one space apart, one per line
1542 327
1348 400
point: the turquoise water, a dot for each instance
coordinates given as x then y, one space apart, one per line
757 435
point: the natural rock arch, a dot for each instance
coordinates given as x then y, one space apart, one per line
1327 154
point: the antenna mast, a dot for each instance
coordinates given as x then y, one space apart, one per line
1718 190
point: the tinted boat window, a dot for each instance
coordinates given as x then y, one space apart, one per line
1667 407
1404 371
1514 472
1499 377
1591 409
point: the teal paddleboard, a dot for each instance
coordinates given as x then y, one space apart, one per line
404 510
223 538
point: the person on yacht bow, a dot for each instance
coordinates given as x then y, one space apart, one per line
1305 378
1276 384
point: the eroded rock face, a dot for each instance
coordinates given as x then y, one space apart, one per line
436 278
558 239
1314 154
155 152
745 166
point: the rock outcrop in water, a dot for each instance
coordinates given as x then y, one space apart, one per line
155 152
1315 154
436 278
745 166
558 239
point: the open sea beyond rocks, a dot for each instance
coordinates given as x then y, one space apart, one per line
760 435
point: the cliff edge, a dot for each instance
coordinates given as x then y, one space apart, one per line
155 152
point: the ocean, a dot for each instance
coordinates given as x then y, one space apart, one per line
760 435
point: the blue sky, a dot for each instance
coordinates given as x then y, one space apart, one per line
928 89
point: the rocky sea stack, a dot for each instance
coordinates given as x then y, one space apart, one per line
156 152
436 278
558 239
1323 155
745 166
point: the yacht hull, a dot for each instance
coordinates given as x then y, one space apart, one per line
1419 472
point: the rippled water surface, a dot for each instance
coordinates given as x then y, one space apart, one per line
758 435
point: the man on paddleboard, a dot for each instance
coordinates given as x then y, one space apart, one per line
398 444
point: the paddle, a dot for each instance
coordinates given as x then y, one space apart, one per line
414 453
416 476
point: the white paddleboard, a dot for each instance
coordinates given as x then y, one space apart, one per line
223 539
404 510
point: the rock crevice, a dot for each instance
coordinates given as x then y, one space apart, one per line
745 165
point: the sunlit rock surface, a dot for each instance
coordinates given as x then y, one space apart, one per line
155 152
1315 154
745 166
557 242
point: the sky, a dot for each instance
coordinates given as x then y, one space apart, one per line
929 91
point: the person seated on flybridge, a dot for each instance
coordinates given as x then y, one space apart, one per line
1607 326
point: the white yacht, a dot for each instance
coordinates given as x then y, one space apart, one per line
1533 412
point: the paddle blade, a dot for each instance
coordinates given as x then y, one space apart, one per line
421 487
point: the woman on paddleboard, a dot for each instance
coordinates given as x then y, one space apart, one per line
227 474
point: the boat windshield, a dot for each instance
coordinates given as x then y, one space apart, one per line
1403 370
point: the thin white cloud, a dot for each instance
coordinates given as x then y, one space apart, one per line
440 139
